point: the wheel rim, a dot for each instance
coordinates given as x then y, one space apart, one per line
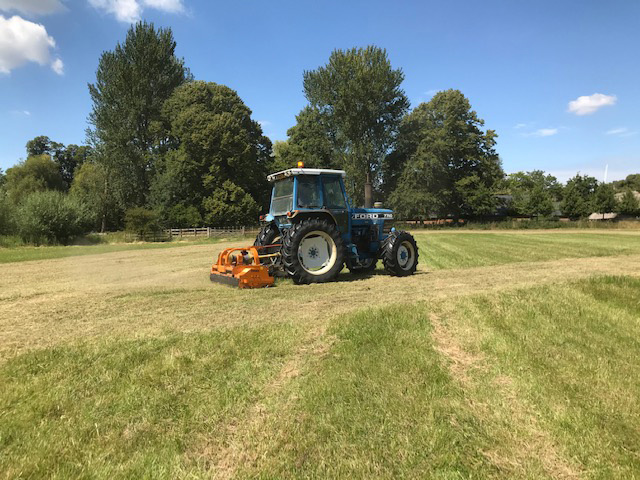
406 255
317 252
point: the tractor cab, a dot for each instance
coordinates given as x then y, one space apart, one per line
301 191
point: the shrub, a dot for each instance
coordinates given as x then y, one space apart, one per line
141 221
628 204
7 215
52 217
230 205
183 216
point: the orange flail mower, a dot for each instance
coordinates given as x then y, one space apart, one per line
243 267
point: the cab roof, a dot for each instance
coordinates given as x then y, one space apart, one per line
304 171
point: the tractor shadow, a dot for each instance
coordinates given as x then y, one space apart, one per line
347 276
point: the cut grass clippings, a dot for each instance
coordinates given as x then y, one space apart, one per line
536 383
131 409
29 253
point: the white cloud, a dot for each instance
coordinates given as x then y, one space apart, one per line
58 66
130 11
170 6
124 10
588 104
32 7
621 132
22 41
26 113
543 132
519 126
264 123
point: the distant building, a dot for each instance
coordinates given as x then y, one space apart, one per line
603 216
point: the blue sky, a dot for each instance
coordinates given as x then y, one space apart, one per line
519 63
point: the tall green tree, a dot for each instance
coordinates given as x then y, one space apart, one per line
533 192
578 196
35 174
628 204
7 209
443 154
358 95
132 83
68 158
221 153
604 200
311 141
632 182
41 145
91 188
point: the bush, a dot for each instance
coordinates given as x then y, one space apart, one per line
52 217
229 206
182 216
141 221
7 215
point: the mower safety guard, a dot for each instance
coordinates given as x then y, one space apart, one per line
241 267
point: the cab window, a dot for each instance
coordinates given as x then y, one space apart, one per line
282 196
333 197
308 194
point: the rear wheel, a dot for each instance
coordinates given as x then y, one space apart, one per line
400 254
269 235
312 251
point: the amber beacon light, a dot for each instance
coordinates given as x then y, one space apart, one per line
300 164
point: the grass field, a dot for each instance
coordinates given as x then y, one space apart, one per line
508 355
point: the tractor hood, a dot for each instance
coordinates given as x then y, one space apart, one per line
371 214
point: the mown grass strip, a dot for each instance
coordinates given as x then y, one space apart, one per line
459 250
131 409
536 383
570 353
380 404
28 253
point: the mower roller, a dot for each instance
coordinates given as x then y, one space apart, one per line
311 232
241 267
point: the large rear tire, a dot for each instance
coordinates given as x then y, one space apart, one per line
312 251
269 235
400 254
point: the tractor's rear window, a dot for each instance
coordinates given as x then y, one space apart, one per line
282 200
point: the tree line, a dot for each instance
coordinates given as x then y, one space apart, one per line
166 149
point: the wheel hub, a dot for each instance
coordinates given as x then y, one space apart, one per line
317 252
405 255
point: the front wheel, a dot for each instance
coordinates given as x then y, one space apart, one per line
400 254
312 251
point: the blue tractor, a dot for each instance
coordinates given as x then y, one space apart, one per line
311 230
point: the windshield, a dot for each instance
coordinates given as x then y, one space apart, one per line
282 200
